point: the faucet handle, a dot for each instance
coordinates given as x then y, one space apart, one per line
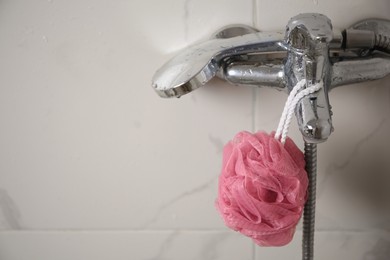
306 31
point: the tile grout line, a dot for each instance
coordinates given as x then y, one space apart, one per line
254 100
254 13
356 231
254 92
196 230
254 106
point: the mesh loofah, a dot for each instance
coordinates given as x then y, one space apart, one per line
262 187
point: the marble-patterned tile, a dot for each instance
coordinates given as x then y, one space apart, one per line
124 245
183 22
353 164
334 245
354 180
274 15
85 143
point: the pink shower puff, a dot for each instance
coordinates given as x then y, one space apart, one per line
262 187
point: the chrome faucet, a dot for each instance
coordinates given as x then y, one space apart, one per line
308 49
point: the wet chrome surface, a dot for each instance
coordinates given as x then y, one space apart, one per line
309 48
196 65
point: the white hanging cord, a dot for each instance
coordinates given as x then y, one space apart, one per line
292 106
291 96
295 96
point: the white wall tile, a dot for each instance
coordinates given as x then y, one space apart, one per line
353 163
334 245
274 15
85 141
123 245
353 188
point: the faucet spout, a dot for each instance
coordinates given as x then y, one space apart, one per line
196 65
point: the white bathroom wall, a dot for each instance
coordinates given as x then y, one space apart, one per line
94 165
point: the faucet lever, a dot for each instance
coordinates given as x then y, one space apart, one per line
308 37
308 31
